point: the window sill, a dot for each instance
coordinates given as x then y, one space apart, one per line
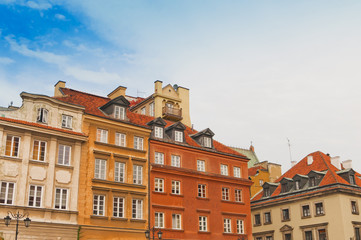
256 225
286 220
232 202
98 217
267 223
138 220
230 234
64 166
304 217
116 146
96 180
173 230
319 215
176 195
356 213
160 193
67 128
204 232
200 198
12 158
39 162
119 219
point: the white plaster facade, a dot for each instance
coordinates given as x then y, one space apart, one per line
52 217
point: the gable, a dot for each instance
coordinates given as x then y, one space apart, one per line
169 91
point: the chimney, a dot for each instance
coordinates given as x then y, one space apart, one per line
57 86
335 161
119 91
347 163
309 160
251 148
158 87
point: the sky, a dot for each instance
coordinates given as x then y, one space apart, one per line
258 71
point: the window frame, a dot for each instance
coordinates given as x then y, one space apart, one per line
317 209
237 173
159 158
202 191
138 143
202 223
225 194
178 136
137 208
6 194
158 132
138 174
201 165
12 146
283 215
97 207
60 204
102 135
42 115
98 171
227 225
240 226
177 220
267 218
36 190
159 185
119 112
39 150
120 139
62 161
238 195
118 207
176 187
119 176
175 161
159 220
66 121
224 170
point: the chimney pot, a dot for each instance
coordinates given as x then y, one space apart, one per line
335 161
309 160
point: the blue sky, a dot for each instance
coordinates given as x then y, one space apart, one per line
260 71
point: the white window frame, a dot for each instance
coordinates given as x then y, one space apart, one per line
202 224
175 161
66 121
159 158
119 172
120 139
100 168
201 165
37 189
38 157
240 226
237 172
159 220
207 141
202 191
98 205
225 194
176 221
238 195
102 135
176 187
158 185
158 132
59 198
6 194
143 111
178 136
42 115
12 146
137 174
227 225
137 208
118 207
224 170
138 143
119 112
62 153
151 109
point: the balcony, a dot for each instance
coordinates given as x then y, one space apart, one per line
173 114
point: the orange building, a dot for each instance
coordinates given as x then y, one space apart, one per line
113 183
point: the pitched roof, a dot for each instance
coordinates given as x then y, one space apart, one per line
248 153
321 163
92 103
254 170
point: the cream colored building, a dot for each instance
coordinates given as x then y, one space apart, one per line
40 150
169 102
317 199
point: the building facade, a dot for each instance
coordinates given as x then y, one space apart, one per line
317 199
40 151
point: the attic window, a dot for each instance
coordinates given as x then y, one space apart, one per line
297 184
312 181
284 187
267 192
352 179
158 132
207 141
119 112
178 136
42 115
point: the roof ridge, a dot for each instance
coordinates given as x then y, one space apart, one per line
326 163
86 93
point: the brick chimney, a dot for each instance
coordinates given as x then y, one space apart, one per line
251 148
57 86
119 91
158 87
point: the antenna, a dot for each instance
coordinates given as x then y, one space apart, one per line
289 148
140 93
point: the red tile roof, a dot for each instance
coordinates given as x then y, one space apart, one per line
253 170
322 163
40 126
93 102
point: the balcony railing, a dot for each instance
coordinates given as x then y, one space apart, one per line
171 113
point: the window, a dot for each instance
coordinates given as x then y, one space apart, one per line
158 132
176 221
100 168
352 179
201 165
258 238
257 219
119 112
137 209
297 184
319 209
102 135
159 185
35 195
322 234
7 193
178 136
151 109
42 115
207 142
225 194
354 208
159 220
202 224
64 153
240 226
227 225
98 205
357 233
238 195
61 198
236 172
285 214
306 211
267 218
269 237
138 143
39 149
66 121
312 181
137 174
175 187
12 146
119 172
120 139
288 236
284 187
118 207
308 235
201 190
142 110
267 192
159 158
175 161
224 170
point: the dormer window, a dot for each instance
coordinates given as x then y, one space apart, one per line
178 136
42 115
312 181
267 192
158 132
284 187
119 112
207 141
297 184
66 121
352 179
142 111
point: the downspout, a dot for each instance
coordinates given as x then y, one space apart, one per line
149 183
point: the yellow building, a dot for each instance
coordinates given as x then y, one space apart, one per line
40 151
113 186
317 199
169 102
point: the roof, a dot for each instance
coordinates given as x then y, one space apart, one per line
40 126
254 170
321 164
250 153
92 104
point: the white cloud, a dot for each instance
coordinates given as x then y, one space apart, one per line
92 76
40 5
60 17
6 60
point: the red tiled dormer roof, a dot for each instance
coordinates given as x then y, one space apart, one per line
93 102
